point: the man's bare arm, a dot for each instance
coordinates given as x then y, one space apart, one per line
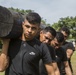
50 69
3 55
56 69
67 68
69 53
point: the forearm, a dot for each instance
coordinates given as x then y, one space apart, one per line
68 71
5 46
56 69
52 73
3 55
50 69
57 72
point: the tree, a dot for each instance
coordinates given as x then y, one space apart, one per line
70 22
22 11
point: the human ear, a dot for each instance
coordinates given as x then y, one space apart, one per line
41 32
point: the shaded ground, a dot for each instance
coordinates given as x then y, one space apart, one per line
73 60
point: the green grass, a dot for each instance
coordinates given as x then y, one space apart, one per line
1 73
73 60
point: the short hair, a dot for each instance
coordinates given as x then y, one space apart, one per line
33 18
66 29
50 29
59 37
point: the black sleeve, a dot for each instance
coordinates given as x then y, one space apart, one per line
64 55
52 53
42 69
70 46
46 57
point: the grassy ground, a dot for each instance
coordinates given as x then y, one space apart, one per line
2 73
73 64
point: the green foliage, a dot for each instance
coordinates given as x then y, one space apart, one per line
21 10
70 22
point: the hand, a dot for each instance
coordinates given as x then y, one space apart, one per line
4 62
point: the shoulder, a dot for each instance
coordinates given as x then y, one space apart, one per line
69 45
40 44
36 41
41 47
15 41
61 49
51 49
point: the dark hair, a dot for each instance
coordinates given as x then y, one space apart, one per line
33 18
59 37
51 30
66 29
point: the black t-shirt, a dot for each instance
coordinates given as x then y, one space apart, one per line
13 50
68 45
60 57
52 53
25 56
42 68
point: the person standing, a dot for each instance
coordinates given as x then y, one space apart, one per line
25 53
60 53
46 35
68 46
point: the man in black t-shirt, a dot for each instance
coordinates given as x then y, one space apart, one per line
25 57
47 35
68 46
60 53
26 52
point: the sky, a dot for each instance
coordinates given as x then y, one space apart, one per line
49 10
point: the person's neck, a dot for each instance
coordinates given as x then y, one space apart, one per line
23 38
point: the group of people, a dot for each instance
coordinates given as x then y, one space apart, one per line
38 51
